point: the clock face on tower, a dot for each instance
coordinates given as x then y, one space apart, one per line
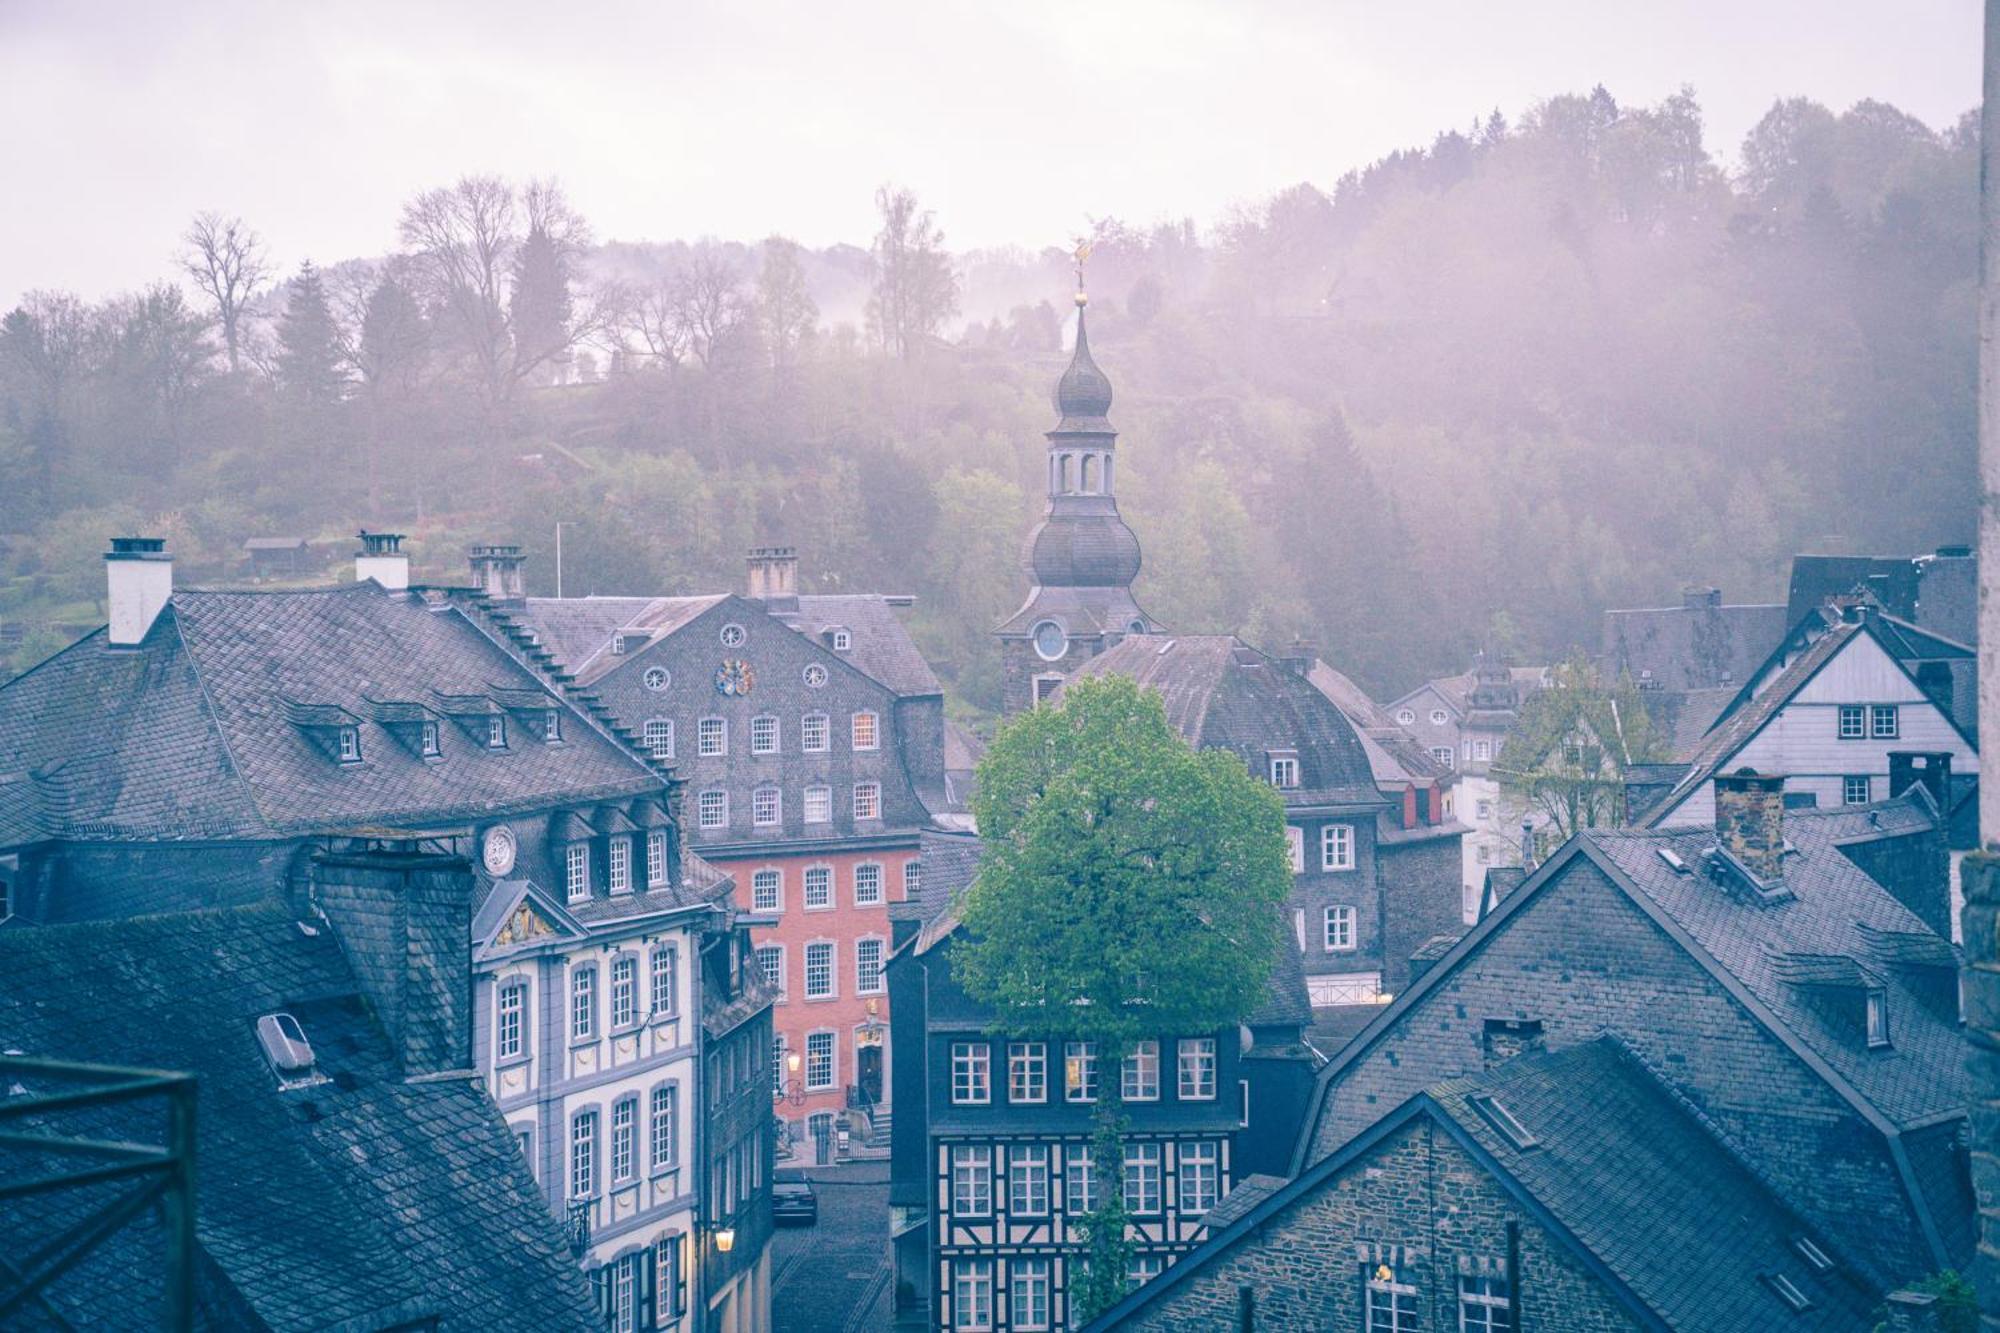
497 851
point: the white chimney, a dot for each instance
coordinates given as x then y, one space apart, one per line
381 558
774 577
140 575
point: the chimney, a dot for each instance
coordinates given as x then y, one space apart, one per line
1750 821
496 571
1527 843
403 918
381 558
1935 680
1299 658
774 577
1929 769
1701 599
140 578
1912 1311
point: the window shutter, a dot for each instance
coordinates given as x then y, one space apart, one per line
646 1285
600 1285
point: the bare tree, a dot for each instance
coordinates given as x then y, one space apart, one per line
227 261
915 288
786 312
656 317
711 301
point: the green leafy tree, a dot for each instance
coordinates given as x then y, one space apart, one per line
1131 889
786 313
1564 764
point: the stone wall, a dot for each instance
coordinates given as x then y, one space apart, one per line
1981 921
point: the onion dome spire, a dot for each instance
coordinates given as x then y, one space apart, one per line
1083 394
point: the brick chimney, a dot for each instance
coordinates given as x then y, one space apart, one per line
1930 769
1299 658
1750 821
139 575
774 577
404 920
381 558
496 571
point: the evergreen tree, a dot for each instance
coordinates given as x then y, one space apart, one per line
539 309
309 366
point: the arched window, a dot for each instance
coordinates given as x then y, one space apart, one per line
1068 474
1089 486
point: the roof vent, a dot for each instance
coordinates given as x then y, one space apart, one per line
1673 860
286 1047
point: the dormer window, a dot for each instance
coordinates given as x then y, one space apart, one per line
428 741
552 725
1878 1019
496 732
1284 770
842 640
350 745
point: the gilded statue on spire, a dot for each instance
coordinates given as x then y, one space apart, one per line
1082 253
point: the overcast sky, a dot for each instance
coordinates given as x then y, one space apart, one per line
1015 121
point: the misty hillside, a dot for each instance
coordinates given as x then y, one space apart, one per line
1473 393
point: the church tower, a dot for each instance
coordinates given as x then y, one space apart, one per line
1081 558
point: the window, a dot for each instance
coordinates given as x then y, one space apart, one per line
842 640
1028 1180
1050 641
866 731
1392 1305
1483 1306
1080 1071
583 1004
971 1180
1027 1071
814 675
624 1140
624 992
1406 716
971 1072
813 732
1338 929
666 1126
819 1060
766 808
771 966
868 967
350 745
766 891
733 635
1854 789
510 1005
657 678
1141 1074
867 885
1144 1268
1079 1180
712 809
1142 1178
1485 809
659 737
1200 1177
1882 722
1028 1294
712 736
665 993
1482 750
1284 770
1443 754
913 878
819 971
819 805
867 800
1045 687
1336 847
1346 988
1295 843
619 864
576 870
670 1278
764 734
428 742
780 1084
1853 722
551 725
496 732
656 858
1197 1069
1438 717
583 1155
819 888
1878 1019
972 1294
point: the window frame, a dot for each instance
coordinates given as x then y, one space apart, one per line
777 983
969 1168
773 878
504 1051
576 871
767 799
758 745
1295 844
877 898
583 1003
1875 1018
624 1141
655 730
825 951
873 728
862 985
430 742
711 737
1027 1073
663 1122
1189 1055
1080 1072
624 992
1339 928
1848 788
496 731
1284 771
1488 1294
816 804
1851 722
1337 850
971 1073
665 962
871 809
1030 1293
583 1128
1144 1161
656 858
1079 1179
1022 1158
618 864
832 1057
815 733
721 806
1199 1154
1139 1075
806 893
1885 722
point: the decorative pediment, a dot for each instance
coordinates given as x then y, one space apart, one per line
518 915
523 926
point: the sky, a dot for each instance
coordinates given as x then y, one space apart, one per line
1016 122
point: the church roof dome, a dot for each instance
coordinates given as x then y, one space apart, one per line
1083 394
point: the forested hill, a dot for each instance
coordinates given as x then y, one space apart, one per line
1473 393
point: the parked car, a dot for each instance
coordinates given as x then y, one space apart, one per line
794 1203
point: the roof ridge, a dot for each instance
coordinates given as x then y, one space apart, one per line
214 717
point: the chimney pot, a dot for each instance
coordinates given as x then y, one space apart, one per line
139 582
381 558
1750 821
774 577
496 571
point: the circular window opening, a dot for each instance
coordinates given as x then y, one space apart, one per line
1406 717
733 636
1050 641
1437 717
815 676
656 678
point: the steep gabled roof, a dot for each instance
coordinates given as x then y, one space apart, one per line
1394 755
882 646
579 631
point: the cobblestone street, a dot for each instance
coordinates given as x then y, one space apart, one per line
835 1277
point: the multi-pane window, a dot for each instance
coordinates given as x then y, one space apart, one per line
766 887
1853 722
551 725
971 1073
496 732
1080 1071
867 731
766 808
913 877
813 733
666 1126
583 1004
1484 1306
712 736
818 804
867 800
576 870
867 885
624 1139
764 734
1200 1176
771 965
656 858
1336 847
1028 1289
1878 1018
625 1294
819 888
1027 1071
971 1180
1142 1178
1284 770
509 1021
779 1081
429 742
1337 928
1392 1305
658 734
1141 1074
972 1294
1028 1180
712 809
1854 789
868 967
583 1155
350 745
1295 844
665 993
1482 750
1144 1268
624 991
819 970
618 861
1883 723
819 1060
1197 1069
1079 1180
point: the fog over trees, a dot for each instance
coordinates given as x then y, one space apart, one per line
1472 393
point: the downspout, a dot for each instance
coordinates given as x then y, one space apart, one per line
1514 1272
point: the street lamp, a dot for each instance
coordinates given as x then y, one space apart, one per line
725 1239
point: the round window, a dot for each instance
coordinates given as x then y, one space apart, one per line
497 851
1406 717
1050 641
733 635
815 675
1437 717
656 678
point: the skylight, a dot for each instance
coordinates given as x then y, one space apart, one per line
1673 860
1788 1292
1496 1114
1820 1261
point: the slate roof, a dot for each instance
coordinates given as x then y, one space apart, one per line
1893 580
1692 647
882 646
1394 755
206 729
364 1198
1222 694
1457 690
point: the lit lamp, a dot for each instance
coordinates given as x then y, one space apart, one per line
791 1062
725 1239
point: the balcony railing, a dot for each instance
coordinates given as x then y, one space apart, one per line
578 1224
